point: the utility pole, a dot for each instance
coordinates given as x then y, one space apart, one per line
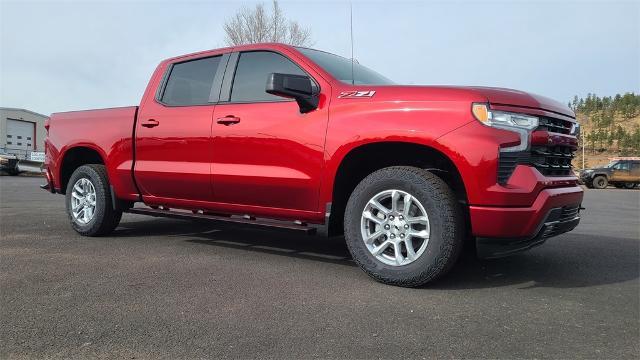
582 138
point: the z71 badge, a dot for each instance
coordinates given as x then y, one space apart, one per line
356 94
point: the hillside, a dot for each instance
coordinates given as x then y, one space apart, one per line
610 127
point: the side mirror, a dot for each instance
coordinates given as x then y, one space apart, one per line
298 87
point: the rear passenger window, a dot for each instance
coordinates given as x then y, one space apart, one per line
190 82
252 72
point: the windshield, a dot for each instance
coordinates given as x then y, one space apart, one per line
340 68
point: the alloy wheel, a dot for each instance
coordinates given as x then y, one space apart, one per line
395 227
83 201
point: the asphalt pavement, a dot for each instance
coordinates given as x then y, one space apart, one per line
163 288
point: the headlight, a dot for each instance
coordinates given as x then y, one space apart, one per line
503 118
519 123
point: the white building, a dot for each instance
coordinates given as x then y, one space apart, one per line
21 132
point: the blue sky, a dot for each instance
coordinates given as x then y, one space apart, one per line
57 56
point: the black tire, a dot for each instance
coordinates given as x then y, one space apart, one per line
445 218
600 182
629 185
105 218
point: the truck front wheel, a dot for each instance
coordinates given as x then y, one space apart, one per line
403 226
600 182
88 200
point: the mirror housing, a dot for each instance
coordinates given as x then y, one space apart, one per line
298 87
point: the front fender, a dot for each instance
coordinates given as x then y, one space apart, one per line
353 124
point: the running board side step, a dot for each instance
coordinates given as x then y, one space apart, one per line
260 223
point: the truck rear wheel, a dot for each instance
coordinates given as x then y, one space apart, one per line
600 182
403 226
88 199
629 185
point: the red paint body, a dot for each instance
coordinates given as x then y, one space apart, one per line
279 163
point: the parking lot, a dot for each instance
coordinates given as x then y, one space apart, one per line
161 288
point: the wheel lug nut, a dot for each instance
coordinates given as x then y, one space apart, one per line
406 226
390 217
392 236
401 217
387 227
401 236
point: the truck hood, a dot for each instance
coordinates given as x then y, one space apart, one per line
502 96
598 170
496 96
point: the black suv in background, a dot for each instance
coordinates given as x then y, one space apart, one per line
621 172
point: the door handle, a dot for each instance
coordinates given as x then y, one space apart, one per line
150 123
228 120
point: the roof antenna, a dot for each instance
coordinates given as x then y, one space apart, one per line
353 80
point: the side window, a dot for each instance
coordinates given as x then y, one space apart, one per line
252 72
190 82
623 165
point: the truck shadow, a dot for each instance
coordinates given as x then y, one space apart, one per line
569 261
331 250
572 260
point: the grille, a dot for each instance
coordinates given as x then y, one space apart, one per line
555 125
549 160
508 162
552 160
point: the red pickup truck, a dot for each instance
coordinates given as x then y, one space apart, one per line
301 139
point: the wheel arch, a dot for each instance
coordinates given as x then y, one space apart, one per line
364 158
74 157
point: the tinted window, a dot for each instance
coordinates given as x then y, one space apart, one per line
252 72
190 82
341 68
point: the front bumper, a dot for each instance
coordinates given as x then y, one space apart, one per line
501 231
585 177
